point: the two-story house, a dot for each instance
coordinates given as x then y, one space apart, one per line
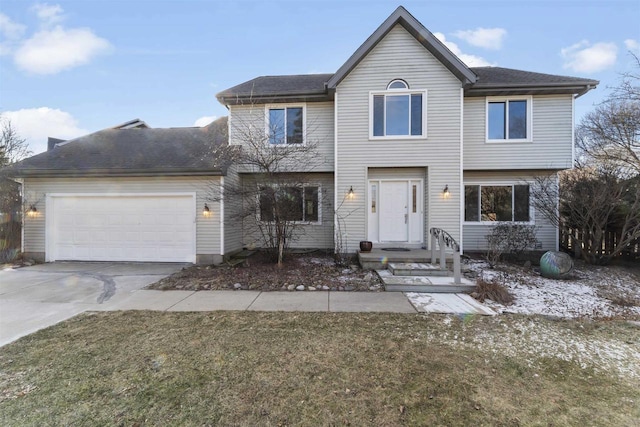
406 136
412 138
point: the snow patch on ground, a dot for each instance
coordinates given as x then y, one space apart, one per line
589 293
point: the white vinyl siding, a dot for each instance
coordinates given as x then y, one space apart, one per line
399 56
232 214
550 147
249 121
475 232
207 228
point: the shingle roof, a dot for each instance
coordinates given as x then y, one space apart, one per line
305 85
138 151
489 78
503 77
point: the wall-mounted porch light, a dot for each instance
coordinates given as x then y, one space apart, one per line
206 211
445 193
32 211
350 193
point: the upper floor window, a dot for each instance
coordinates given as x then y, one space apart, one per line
285 125
496 203
398 111
509 119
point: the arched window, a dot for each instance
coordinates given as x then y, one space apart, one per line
398 84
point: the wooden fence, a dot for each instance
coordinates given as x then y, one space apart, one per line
569 242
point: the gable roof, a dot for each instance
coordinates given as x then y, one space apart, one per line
416 29
134 151
477 81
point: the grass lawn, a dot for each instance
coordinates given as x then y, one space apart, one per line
241 368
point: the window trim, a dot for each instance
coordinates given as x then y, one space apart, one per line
269 107
532 219
392 92
505 99
303 222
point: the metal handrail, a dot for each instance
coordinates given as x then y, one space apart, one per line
444 240
447 238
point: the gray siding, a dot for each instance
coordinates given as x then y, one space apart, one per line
475 233
248 122
207 228
551 148
308 236
399 56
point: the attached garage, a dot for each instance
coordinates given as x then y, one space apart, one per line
132 227
128 194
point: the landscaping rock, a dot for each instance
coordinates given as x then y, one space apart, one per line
300 288
237 286
349 288
311 288
325 288
333 288
291 287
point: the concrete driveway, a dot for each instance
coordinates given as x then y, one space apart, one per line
32 298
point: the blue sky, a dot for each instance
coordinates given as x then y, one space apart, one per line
73 67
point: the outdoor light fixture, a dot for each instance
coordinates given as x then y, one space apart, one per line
32 211
206 211
445 192
350 193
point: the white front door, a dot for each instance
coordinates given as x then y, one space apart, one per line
395 211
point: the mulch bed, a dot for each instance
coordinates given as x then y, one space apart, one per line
300 272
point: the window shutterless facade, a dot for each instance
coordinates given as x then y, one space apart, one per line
285 124
492 203
398 112
509 119
301 204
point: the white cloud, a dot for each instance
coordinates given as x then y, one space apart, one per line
36 124
48 14
632 45
203 121
10 29
11 32
470 60
583 57
488 38
53 50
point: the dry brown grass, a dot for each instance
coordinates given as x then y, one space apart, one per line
280 369
494 290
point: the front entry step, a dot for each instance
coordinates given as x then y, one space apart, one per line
416 269
432 284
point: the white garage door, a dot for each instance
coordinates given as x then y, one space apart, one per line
158 228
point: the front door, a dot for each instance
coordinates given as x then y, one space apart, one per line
395 211
394 216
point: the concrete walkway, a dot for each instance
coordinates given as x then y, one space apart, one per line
37 297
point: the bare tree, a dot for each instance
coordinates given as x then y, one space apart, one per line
274 197
12 147
610 134
592 201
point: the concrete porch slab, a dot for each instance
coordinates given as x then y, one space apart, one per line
448 304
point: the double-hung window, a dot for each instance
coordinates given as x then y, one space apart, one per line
398 112
290 203
490 203
285 125
509 119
